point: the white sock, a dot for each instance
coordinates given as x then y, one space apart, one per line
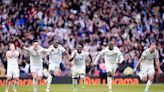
109 80
140 75
35 84
7 85
49 80
15 84
74 81
148 85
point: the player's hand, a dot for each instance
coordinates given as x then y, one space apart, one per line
135 70
159 71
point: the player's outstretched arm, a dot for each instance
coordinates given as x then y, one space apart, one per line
140 60
46 50
120 56
158 65
67 57
72 56
25 48
121 59
98 57
90 58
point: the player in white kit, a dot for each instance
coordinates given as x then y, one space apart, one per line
146 63
36 62
112 56
56 53
79 67
12 67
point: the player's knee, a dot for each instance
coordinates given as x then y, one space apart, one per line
16 79
82 76
34 77
144 79
151 78
9 78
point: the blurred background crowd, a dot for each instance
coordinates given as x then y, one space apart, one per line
132 23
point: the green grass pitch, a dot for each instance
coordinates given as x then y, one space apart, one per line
90 88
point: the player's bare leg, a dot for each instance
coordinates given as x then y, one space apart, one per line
82 76
74 82
15 84
49 79
109 81
144 78
149 82
7 84
35 81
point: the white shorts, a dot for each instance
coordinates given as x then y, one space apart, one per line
38 70
146 69
77 71
13 73
111 67
53 67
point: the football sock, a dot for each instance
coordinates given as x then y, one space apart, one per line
148 85
109 80
35 84
49 80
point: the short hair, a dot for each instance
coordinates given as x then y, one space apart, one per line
34 41
79 46
153 43
56 41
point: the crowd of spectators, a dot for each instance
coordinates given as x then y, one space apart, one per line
132 23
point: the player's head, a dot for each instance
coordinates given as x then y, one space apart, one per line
35 44
111 45
12 46
152 47
79 48
56 42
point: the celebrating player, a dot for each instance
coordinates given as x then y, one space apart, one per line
147 65
36 62
12 67
56 53
113 57
78 69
